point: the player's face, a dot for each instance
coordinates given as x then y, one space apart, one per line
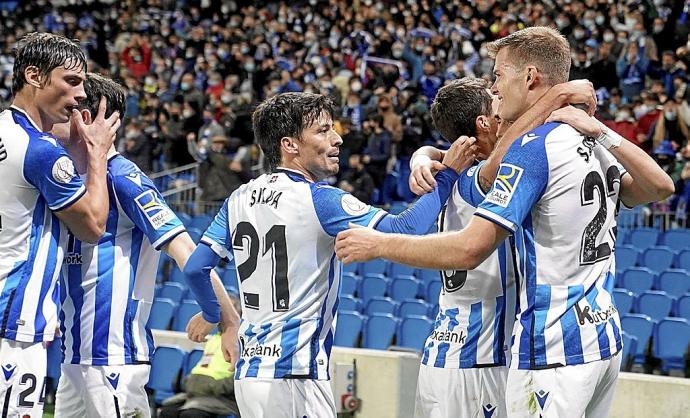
61 93
509 86
320 148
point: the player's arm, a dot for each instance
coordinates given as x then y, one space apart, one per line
180 249
576 91
463 250
86 217
645 181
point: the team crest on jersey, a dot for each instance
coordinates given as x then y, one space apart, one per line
504 187
156 211
471 170
353 206
63 170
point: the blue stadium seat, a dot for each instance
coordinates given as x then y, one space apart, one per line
173 290
433 291
351 268
622 236
161 313
683 307
184 218
395 269
195 234
404 287
643 238
626 257
176 275
191 359
380 305
629 346
657 259
348 328
671 341
372 286
379 331
414 307
675 282
641 327
165 368
426 276
349 303
630 218
376 266
638 279
201 222
624 300
676 239
654 303
185 312
348 284
413 332
683 260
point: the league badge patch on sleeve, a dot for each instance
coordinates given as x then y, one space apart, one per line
353 206
154 209
63 170
506 182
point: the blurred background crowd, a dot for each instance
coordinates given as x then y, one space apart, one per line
194 71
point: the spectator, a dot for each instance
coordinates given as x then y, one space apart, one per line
354 110
378 149
391 121
217 178
430 83
631 69
137 56
669 70
669 127
357 180
137 147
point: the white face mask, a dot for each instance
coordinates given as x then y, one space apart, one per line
609 37
356 87
467 48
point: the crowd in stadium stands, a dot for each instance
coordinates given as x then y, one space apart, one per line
194 71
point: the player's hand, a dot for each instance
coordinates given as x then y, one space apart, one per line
422 176
580 92
198 328
578 119
461 154
99 135
229 345
357 244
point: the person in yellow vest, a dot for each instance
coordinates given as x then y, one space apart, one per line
210 387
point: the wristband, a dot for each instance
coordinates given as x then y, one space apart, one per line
419 159
609 141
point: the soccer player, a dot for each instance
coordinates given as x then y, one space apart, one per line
281 229
463 371
42 194
107 288
556 191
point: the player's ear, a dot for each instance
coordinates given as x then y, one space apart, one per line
481 123
86 116
32 75
289 145
532 77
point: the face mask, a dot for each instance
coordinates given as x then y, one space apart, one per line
150 81
467 49
356 87
312 2
579 34
419 48
249 67
187 113
624 115
226 99
622 40
609 37
400 33
658 29
397 53
670 115
561 23
184 86
320 72
213 83
483 52
244 50
600 20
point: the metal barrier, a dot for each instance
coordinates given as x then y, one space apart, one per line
650 217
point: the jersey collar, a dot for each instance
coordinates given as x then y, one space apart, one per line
22 112
294 175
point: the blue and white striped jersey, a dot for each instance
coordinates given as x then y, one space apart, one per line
559 190
477 307
281 230
39 178
107 288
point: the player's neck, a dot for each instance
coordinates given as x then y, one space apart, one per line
295 165
24 102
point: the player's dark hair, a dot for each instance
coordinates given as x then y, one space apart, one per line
97 86
286 115
458 104
46 52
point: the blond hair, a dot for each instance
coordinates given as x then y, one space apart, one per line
540 46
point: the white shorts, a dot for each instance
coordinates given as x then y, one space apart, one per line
446 393
285 398
563 392
102 391
23 378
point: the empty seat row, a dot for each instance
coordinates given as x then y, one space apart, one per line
387 305
654 303
656 259
399 288
380 331
667 340
642 238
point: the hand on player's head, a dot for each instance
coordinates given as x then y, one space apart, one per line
100 134
581 92
461 154
578 119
